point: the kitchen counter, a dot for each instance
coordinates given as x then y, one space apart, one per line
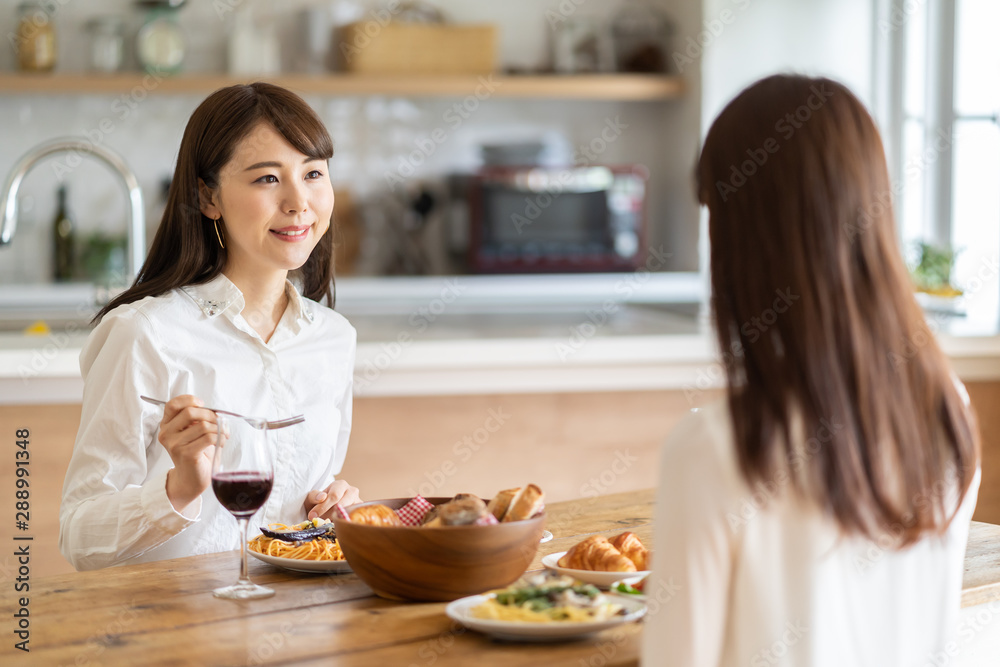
475 335
164 612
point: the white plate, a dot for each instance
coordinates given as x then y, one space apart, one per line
298 565
603 579
461 611
631 581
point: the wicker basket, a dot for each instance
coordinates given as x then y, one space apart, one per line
417 48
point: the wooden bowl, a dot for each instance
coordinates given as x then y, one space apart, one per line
441 563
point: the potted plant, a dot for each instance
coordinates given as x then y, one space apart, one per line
932 277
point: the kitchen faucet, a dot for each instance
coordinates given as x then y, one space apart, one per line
137 229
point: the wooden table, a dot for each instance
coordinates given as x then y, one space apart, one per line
164 613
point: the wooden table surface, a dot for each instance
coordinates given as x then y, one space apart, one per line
164 612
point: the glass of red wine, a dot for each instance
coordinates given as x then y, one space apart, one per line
242 477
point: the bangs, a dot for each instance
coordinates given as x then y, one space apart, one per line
294 120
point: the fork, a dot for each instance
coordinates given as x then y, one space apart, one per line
262 424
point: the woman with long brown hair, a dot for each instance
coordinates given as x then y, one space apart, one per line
225 312
819 515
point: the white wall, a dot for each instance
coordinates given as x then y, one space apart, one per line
756 38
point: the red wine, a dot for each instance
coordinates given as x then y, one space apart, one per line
242 493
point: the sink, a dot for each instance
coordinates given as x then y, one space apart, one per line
64 307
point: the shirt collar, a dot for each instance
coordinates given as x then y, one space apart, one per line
299 310
216 296
219 295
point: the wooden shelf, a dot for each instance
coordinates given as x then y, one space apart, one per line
625 87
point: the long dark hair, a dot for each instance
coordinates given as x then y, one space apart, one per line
185 250
830 363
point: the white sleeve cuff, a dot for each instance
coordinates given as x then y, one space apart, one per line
157 510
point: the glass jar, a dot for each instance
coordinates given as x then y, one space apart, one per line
36 38
642 34
107 43
160 42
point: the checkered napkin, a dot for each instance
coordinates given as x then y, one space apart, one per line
413 512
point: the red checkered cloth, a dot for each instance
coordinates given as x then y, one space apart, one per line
413 512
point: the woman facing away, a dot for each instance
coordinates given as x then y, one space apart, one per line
818 516
213 320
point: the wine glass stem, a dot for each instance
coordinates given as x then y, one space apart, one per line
244 577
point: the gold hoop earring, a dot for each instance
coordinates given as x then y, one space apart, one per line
217 234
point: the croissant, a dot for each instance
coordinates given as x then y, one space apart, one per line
630 547
596 553
376 515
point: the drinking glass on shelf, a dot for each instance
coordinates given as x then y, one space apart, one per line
242 477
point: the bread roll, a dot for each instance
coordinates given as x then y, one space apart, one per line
375 515
462 512
431 515
498 506
596 554
525 504
632 548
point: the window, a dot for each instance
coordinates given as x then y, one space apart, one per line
948 137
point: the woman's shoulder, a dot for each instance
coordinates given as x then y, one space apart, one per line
703 440
136 320
144 310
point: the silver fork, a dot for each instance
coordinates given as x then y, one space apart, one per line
253 421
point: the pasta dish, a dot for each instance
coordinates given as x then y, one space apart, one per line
319 547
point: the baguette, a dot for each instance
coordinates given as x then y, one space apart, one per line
528 502
498 506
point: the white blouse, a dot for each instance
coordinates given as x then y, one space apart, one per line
754 577
194 340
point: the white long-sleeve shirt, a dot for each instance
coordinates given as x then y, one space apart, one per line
755 577
194 340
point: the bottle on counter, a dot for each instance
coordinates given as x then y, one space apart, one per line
36 38
63 236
